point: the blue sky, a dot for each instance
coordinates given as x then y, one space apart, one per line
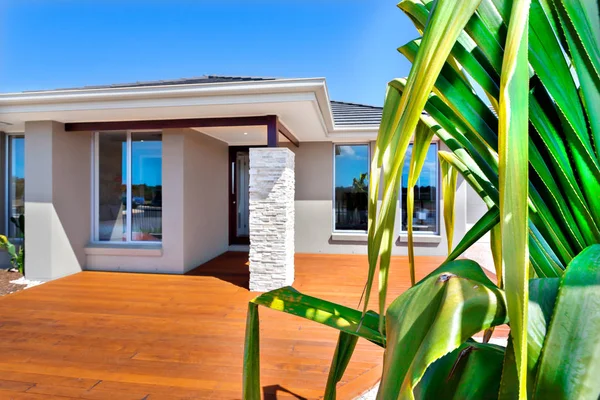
350 163
18 151
59 43
429 173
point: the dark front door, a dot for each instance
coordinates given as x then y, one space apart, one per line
239 176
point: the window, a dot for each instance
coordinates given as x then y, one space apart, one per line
351 186
426 211
128 187
16 183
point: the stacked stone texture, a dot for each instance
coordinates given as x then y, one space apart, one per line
272 191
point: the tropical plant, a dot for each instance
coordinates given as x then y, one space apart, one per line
17 258
360 185
512 88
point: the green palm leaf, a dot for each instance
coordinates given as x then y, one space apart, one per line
514 182
434 318
420 148
449 178
471 372
569 365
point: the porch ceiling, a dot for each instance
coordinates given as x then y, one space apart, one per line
240 135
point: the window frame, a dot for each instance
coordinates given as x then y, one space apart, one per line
347 231
7 173
438 192
95 231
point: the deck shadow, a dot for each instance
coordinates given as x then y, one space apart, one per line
229 267
270 392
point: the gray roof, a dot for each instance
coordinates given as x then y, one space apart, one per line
183 81
352 114
344 114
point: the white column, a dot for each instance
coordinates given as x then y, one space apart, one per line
57 199
272 190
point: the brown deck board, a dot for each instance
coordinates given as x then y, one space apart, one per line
101 335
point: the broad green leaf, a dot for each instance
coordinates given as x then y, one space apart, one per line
472 371
423 136
381 156
560 218
456 135
350 322
251 372
543 259
569 366
449 178
483 225
473 177
545 220
381 230
496 249
585 18
509 384
460 97
434 318
550 65
342 318
343 352
386 223
581 20
448 18
541 115
465 52
514 182
542 297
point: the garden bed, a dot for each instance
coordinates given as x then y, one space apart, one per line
6 287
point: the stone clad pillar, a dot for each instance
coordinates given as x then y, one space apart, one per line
272 191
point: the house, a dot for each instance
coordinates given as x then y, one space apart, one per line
164 176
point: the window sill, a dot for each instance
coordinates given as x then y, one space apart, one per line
124 250
403 238
349 237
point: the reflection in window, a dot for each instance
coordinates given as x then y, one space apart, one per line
138 156
112 186
16 182
425 217
351 187
146 187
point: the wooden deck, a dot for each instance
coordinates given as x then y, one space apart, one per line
100 335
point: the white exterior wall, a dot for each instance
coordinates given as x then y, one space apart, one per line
57 202
206 201
479 251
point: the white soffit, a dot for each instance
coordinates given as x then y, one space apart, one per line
240 135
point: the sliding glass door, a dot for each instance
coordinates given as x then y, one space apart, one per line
128 187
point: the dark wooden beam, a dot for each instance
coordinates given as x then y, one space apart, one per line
171 123
272 131
288 135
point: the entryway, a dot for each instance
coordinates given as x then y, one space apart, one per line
239 211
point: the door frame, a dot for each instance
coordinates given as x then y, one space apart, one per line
232 196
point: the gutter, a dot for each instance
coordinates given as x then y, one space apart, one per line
162 91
